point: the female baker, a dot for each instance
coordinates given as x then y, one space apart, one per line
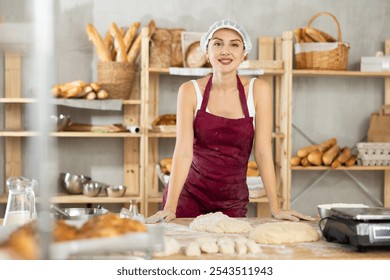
218 117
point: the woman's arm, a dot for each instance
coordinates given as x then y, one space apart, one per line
182 156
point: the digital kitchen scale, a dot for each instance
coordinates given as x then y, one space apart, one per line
359 227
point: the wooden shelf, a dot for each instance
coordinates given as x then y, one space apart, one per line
356 167
18 133
81 199
312 73
271 72
18 100
173 135
96 134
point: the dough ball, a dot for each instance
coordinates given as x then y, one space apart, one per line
219 223
171 247
209 247
193 250
253 247
283 232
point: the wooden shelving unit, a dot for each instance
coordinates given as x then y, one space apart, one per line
13 134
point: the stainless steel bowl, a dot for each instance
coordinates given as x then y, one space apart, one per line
80 213
61 121
92 188
73 184
116 191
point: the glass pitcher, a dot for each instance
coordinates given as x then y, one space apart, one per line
21 201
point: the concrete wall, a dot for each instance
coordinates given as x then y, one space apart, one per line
322 107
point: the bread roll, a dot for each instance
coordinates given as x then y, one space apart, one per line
304 152
305 162
95 86
330 155
101 49
194 56
315 157
295 161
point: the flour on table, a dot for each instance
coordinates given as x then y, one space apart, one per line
283 232
219 223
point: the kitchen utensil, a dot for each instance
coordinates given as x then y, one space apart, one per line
116 191
21 201
80 213
61 121
59 211
72 183
324 209
92 188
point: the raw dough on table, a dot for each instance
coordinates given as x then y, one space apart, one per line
171 247
284 232
219 223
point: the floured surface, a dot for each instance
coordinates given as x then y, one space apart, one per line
219 223
321 249
283 233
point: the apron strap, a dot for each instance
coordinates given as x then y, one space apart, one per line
241 92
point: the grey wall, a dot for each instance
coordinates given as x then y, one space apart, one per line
322 107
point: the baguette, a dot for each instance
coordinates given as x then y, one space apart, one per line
101 49
135 49
324 146
319 36
118 43
130 35
295 161
315 157
84 92
303 152
109 44
330 155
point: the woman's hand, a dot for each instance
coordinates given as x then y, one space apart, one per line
167 215
291 215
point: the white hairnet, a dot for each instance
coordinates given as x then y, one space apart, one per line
226 23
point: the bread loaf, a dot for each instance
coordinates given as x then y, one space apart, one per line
345 155
351 161
130 35
324 146
101 49
121 55
305 162
315 157
135 49
304 152
295 161
318 35
330 155
194 56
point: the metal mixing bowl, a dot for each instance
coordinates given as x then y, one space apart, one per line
92 188
116 191
73 184
61 121
80 213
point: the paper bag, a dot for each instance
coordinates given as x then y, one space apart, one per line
379 129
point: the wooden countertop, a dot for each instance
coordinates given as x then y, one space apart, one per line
319 250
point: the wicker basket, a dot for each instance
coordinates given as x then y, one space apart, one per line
322 56
117 78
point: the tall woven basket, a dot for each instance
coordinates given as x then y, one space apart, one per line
322 56
117 78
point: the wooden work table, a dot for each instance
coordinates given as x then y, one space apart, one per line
319 250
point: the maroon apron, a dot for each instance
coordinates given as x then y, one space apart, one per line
217 177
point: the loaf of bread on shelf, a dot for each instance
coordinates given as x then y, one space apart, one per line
194 57
166 119
101 49
326 145
315 157
342 158
166 165
135 49
305 162
120 48
130 35
295 161
351 161
330 155
304 152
